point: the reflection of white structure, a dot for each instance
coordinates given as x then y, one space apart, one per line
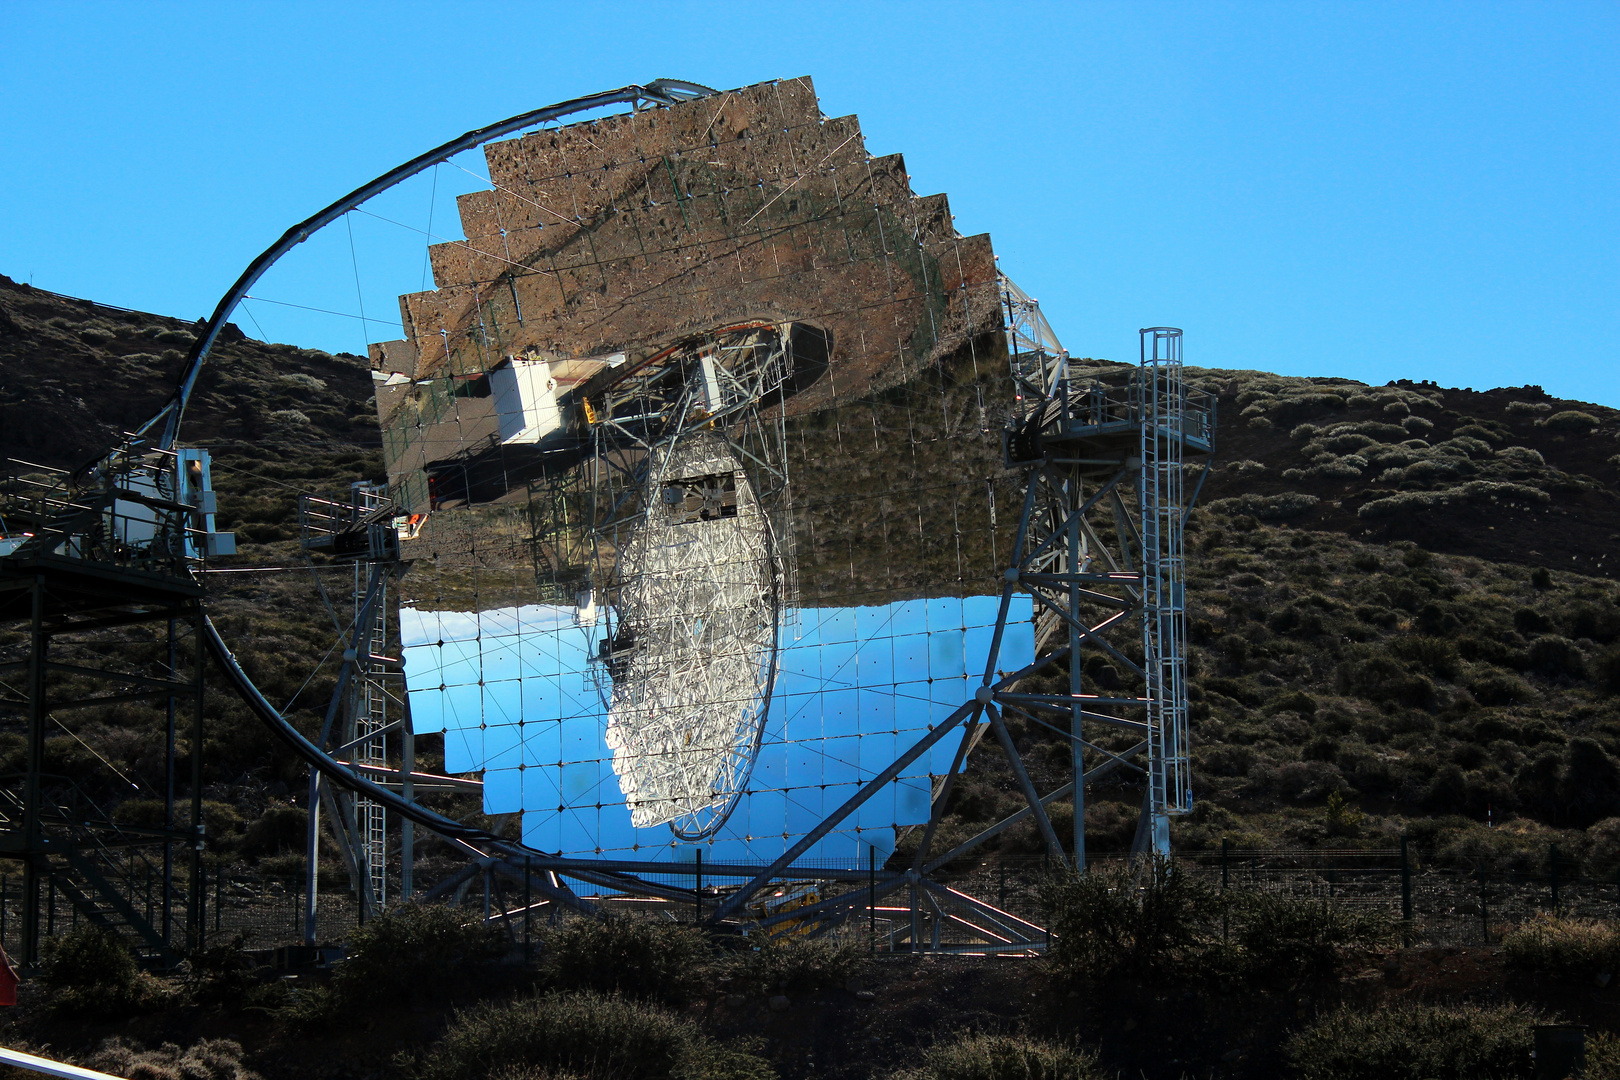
693 648
525 399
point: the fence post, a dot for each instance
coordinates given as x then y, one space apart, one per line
1226 866
871 895
1484 908
1406 890
697 888
1552 867
528 912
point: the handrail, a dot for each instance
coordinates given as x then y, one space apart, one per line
50 1067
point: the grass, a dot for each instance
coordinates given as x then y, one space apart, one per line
1004 1057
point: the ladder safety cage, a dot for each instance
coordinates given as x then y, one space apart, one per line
1161 494
1096 559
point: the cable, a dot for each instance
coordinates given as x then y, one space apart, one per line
249 312
323 311
116 771
359 296
427 252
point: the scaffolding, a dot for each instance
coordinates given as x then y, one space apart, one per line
82 556
1096 561
361 529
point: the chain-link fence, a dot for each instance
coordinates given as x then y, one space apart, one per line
992 907
264 912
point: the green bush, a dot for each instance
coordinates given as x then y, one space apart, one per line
797 965
1417 1042
1499 688
640 958
1603 1056
1289 504
1608 670
1379 678
1435 654
1566 948
1295 938
280 830
604 1038
89 958
222 974
1106 923
1004 1057
1553 655
418 953
1569 420
94 975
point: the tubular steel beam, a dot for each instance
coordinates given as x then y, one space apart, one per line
1005 823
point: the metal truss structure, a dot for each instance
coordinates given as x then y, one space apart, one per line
361 530
689 488
83 556
1096 562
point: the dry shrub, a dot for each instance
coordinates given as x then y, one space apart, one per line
1004 1057
1417 1042
210 1059
605 1038
1565 948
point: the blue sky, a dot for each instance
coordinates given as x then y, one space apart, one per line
1367 189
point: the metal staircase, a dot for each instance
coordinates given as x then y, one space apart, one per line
97 864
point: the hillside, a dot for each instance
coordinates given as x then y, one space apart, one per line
1399 594
1404 623
1403 594
74 373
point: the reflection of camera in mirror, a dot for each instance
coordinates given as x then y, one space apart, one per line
701 498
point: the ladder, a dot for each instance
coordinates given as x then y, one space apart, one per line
1161 495
370 715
